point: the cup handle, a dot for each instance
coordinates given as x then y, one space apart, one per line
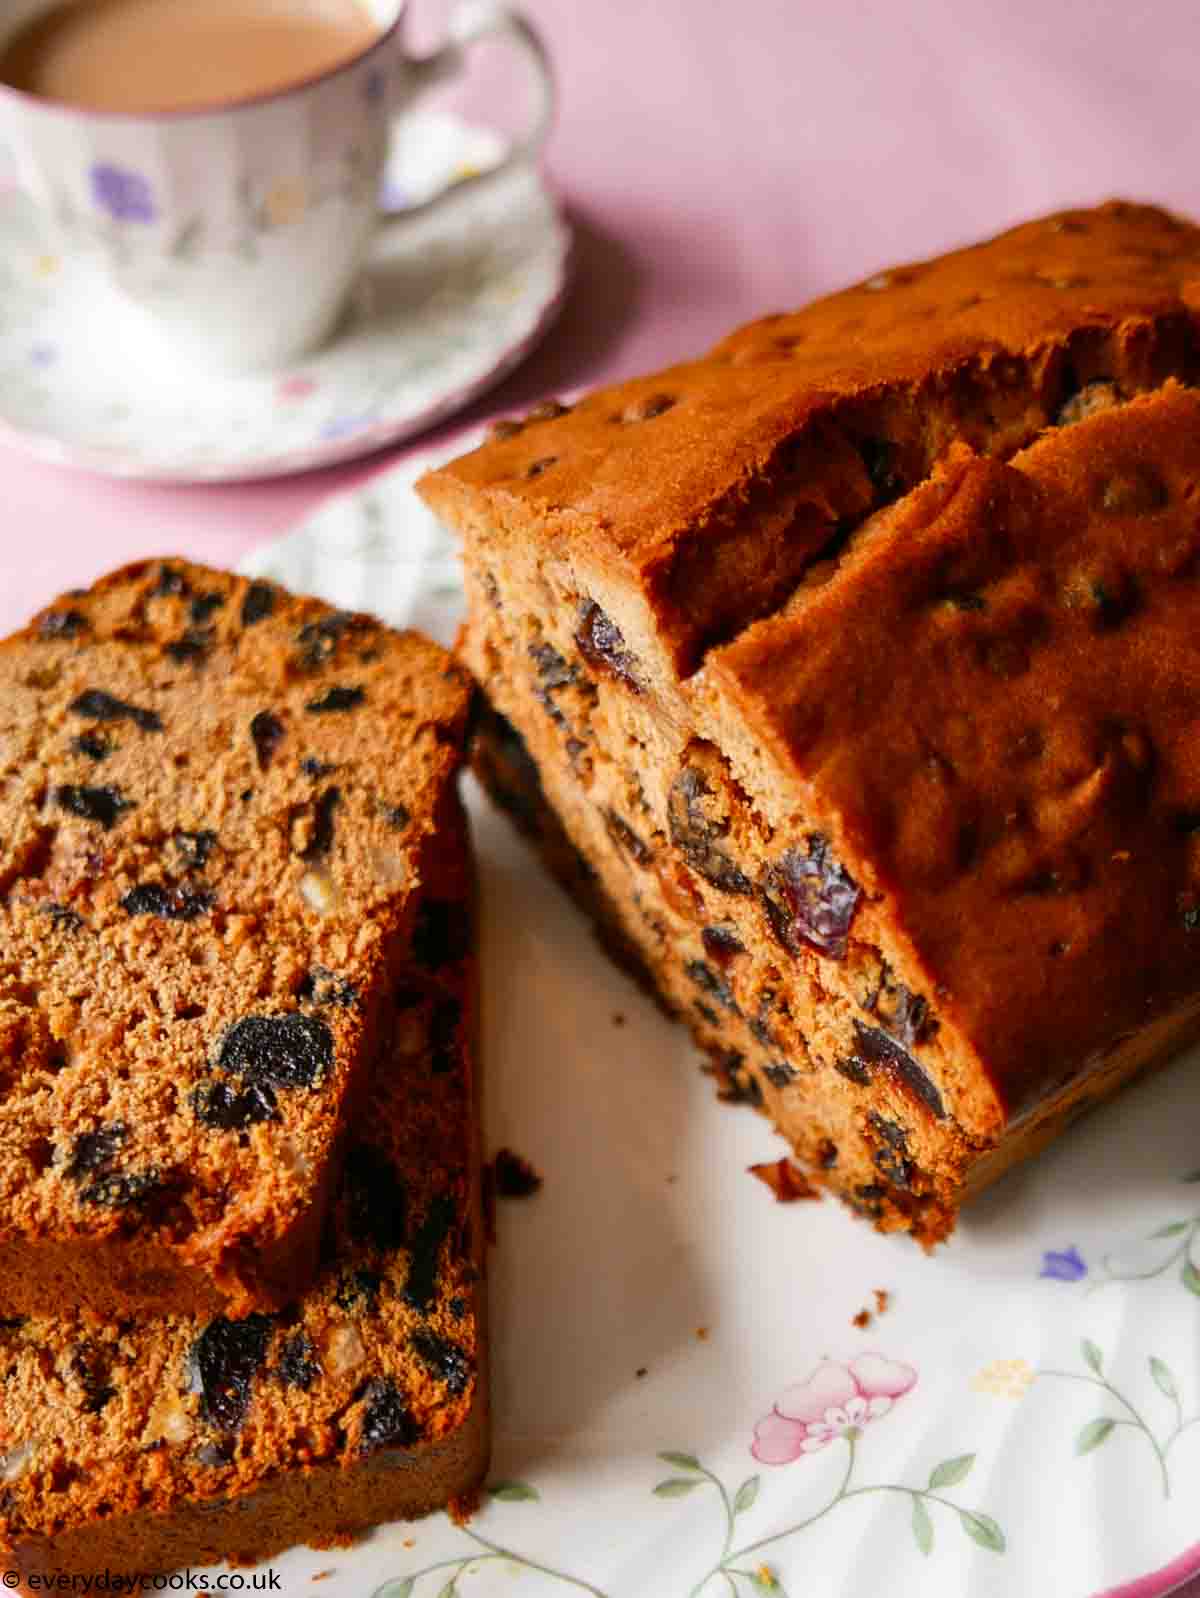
471 21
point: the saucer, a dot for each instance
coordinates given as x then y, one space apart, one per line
450 301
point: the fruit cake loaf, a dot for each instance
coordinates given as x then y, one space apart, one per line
817 948
216 803
147 1444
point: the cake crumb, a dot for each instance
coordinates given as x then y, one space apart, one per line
463 1507
785 1179
862 1320
672 1178
702 1333
409 1542
618 1019
514 1176
641 1371
324 1575
883 1300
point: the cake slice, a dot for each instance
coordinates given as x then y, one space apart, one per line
907 836
146 1444
217 804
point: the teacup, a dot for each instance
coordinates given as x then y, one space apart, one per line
237 232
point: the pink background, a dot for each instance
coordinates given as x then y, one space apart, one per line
723 160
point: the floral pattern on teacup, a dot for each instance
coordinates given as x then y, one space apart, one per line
123 195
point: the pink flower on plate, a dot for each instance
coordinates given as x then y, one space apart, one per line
836 1401
296 387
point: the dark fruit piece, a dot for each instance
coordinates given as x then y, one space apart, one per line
61 916
446 1360
827 1154
337 699
421 1286
553 671
95 1151
93 804
203 606
513 1176
442 935
853 1069
62 624
287 1051
736 1084
222 1108
626 839
359 1290
258 604
387 1421
322 987
810 900
170 581
722 944
322 833
443 1036
298 1362
192 646
707 980
312 767
318 640
377 1203
94 745
194 849
779 1073
224 1361
875 1048
96 705
90 1369
892 1158
397 816
215 1455
902 1013
266 732
697 836
171 903
602 645
117 1190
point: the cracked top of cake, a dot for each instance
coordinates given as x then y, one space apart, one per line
214 799
711 486
989 703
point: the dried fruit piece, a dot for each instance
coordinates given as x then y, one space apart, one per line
298 1362
603 646
170 901
697 835
287 1051
323 987
513 1176
359 1290
171 581
266 732
62 624
722 944
785 1179
95 1151
194 849
421 1286
104 805
97 705
707 980
810 899
223 1108
387 1421
875 1048
322 832
258 604
94 745
193 645
203 606
446 1360
779 1073
626 839
335 701
224 1361
62 916
117 1190
91 1370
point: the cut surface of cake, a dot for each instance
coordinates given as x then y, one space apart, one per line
852 671
216 805
148 1443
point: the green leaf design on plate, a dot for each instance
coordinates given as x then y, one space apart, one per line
404 1588
514 1492
746 1494
675 1487
951 1471
1172 1229
1092 1357
1163 1379
681 1461
1190 1277
1093 1434
450 1589
983 1530
922 1526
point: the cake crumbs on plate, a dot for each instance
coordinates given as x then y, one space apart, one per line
702 1333
883 1300
324 1575
785 1179
641 1371
514 1176
618 1019
862 1320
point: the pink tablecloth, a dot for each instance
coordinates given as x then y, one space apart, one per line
725 159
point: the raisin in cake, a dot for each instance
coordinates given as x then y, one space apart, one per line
216 803
146 1444
855 663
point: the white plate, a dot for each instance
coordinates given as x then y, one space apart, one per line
1024 1406
450 300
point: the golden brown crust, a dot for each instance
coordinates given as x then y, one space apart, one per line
149 1443
707 488
214 802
